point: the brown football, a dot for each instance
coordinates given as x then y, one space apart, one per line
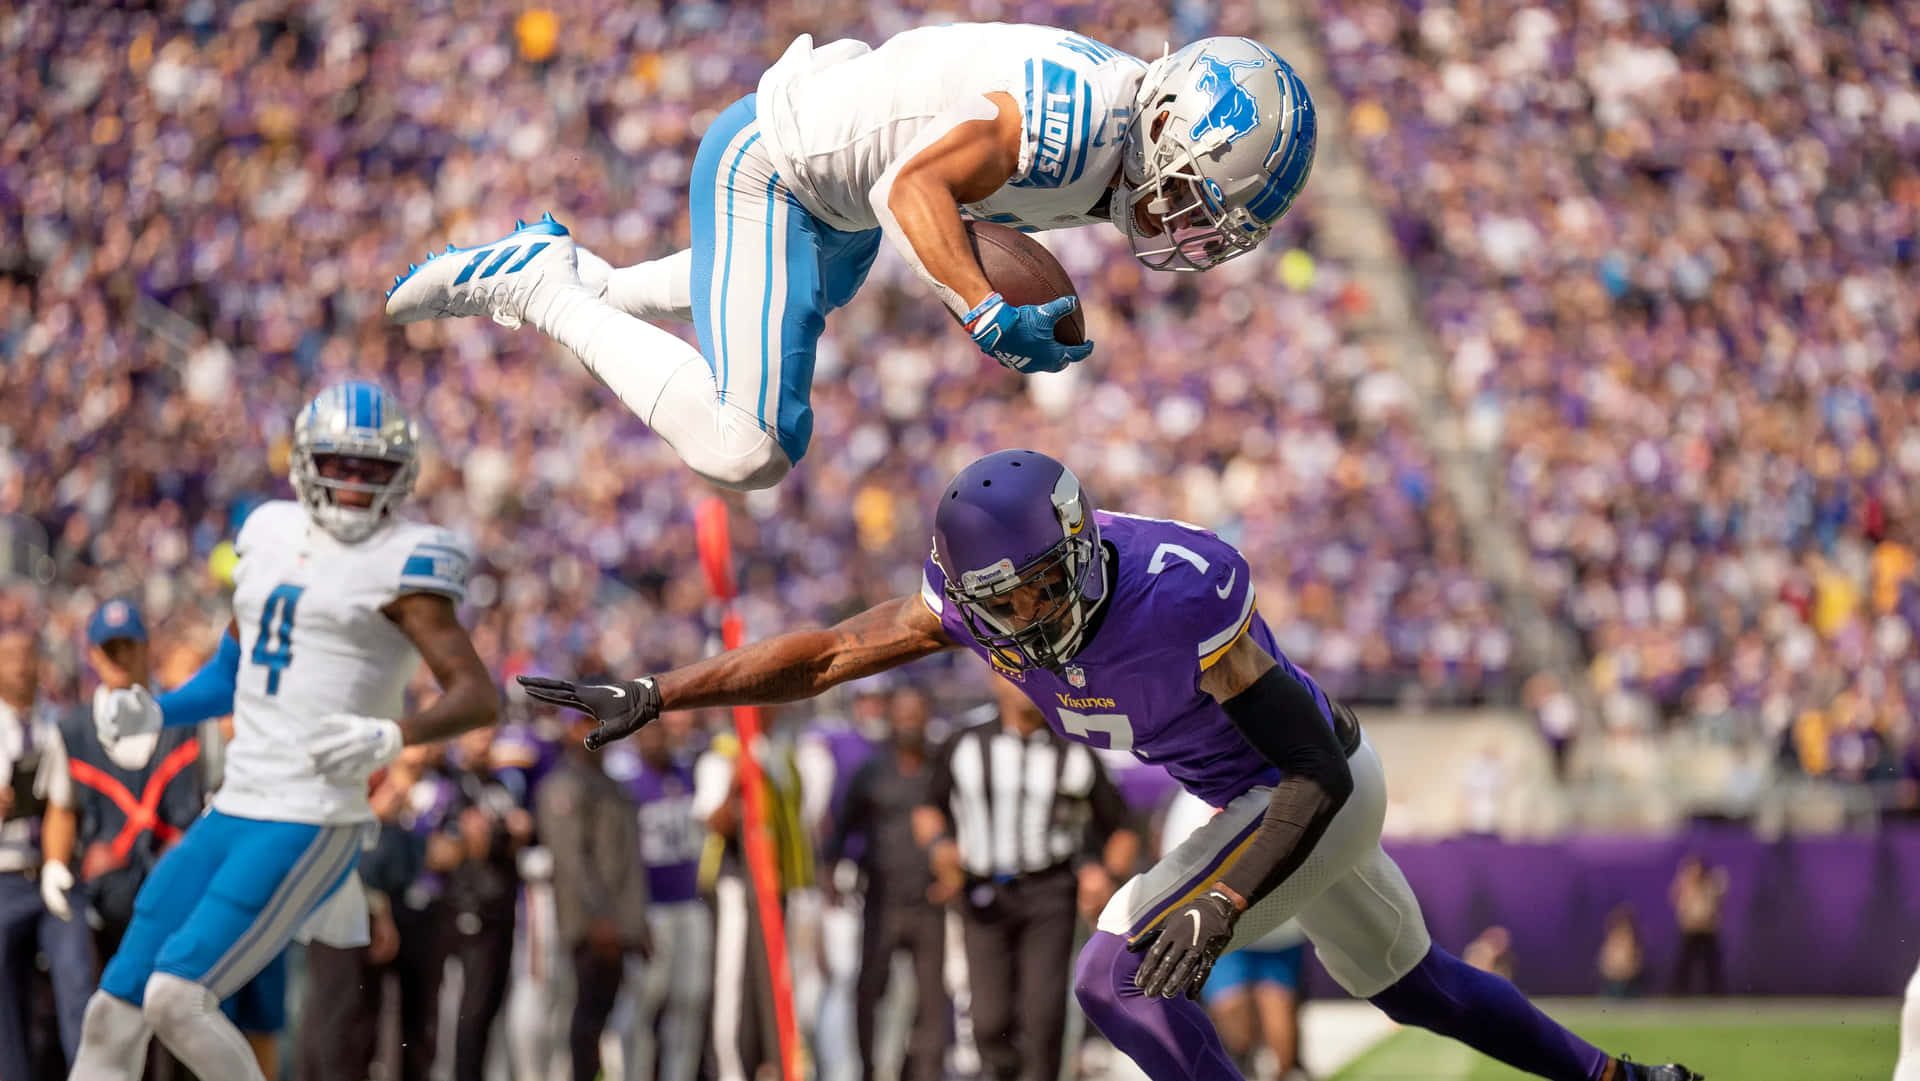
1026 273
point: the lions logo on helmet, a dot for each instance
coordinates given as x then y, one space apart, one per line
353 459
1200 182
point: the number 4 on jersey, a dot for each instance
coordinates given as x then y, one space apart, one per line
273 648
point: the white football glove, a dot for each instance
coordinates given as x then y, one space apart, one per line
347 749
119 714
55 881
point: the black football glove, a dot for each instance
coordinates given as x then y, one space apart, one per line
1185 946
621 708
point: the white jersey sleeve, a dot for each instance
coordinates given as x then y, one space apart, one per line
436 561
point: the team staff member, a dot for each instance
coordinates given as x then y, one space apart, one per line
36 853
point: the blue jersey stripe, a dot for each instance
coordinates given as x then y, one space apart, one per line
1083 135
445 548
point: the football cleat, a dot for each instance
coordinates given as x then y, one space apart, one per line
1633 1071
492 279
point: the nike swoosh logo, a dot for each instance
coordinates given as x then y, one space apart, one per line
617 692
1228 588
1196 926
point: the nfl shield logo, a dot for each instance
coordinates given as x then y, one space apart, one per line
1076 675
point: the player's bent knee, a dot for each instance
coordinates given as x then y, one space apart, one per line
757 465
176 1005
1101 975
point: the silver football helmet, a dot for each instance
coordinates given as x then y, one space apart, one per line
1222 141
353 458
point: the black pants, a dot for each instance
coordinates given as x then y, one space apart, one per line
1698 950
1019 964
920 929
340 1032
598 984
486 962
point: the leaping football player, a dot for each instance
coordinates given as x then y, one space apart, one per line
1142 635
335 604
1192 157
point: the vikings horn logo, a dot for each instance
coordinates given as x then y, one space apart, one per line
1232 108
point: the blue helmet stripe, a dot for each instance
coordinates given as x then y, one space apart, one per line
1300 131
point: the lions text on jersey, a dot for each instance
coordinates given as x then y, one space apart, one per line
314 641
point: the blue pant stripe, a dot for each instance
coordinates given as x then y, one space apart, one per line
309 882
472 265
528 258
275 909
726 274
766 309
271 910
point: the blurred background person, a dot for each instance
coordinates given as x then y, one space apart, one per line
1492 951
37 826
590 826
481 896
899 912
1623 956
671 987
745 1036
1697 893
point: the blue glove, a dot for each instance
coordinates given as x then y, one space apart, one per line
1022 338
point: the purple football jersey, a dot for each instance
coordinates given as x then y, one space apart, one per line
1181 596
670 840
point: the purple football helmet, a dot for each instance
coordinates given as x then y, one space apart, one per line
1016 539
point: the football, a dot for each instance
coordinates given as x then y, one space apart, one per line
1026 273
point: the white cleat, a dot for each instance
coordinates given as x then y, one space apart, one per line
492 279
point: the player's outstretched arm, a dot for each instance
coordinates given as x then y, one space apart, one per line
468 698
802 664
784 668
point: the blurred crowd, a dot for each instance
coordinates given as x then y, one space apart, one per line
201 203
1667 252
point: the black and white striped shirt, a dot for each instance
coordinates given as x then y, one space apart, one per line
1022 804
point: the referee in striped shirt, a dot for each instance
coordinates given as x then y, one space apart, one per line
1025 831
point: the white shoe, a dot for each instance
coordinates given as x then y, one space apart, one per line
492 279
595 272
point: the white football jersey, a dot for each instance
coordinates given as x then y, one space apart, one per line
313 641
833 127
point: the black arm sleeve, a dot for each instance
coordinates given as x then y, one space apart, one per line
1282 720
